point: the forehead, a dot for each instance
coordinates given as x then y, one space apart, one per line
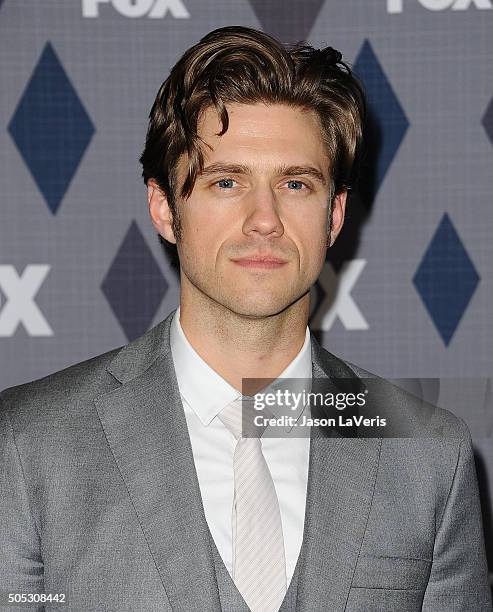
264 131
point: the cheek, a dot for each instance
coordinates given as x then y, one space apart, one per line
201 241
196 230
311 239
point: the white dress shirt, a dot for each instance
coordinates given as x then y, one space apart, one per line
204 394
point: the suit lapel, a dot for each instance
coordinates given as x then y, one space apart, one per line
145 425
341 481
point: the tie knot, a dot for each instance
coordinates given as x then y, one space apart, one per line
239 418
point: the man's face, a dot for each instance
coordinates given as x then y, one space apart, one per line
255 227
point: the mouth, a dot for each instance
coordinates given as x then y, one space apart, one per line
260 261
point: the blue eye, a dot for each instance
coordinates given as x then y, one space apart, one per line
225 183
295 185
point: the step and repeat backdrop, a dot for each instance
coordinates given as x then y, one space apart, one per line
406 291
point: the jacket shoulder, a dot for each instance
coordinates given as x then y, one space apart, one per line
413 413
67 396
74 385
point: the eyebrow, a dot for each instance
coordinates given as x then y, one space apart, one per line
221 168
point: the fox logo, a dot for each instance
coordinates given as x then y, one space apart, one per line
154 9
396 6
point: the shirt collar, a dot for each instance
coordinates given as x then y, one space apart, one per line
204 390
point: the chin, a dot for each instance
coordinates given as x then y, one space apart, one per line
258 308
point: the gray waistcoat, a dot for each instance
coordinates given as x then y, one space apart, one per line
231 599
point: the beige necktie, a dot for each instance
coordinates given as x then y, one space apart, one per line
259 564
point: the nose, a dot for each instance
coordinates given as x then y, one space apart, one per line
262 213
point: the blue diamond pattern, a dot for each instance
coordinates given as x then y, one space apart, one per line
388 122
446 279
488 121
291 21
134 285
51 128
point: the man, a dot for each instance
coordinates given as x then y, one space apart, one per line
125 485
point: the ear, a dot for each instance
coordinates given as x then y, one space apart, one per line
160 212
338 212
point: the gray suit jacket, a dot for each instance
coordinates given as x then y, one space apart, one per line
100 500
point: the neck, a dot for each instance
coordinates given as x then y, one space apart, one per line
239 346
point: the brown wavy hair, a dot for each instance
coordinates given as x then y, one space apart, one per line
237 64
